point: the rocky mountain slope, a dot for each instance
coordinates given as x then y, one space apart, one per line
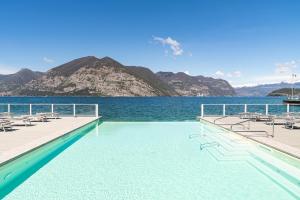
107 77
93 76
11 82
262 90
186 85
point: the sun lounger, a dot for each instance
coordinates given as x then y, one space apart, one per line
16 120
5 125
5 115
262 117
39 117
255 116
50 115
245 115
277 120
21 121
292 122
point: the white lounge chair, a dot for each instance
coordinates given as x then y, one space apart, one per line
5 125
255 116
50 115
39 117
5 115
292 122
21 120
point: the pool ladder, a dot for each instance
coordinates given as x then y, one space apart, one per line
191 136
209 144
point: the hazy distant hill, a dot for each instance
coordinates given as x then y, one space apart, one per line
13 81
262 90
187 85
284 92
107 77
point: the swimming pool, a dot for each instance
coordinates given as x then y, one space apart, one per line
155 160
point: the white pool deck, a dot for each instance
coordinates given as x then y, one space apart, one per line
285 140
22 139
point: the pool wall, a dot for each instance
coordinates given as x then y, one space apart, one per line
18 169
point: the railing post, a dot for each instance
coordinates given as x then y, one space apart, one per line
202 110
288 108
74 110
245 108
30 109
96 111
224 109
267 109
8 108
52 108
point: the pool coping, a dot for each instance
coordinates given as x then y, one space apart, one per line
22 153
275 147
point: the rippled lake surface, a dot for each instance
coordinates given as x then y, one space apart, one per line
145 108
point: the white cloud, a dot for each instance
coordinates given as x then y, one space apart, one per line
173 44
282 73
48 60
219 73
285 68
235 74
274 79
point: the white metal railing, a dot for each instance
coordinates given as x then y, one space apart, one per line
234 109
62 109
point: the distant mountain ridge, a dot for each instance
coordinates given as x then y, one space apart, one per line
263 90
13 81
187 85
285 92
107 77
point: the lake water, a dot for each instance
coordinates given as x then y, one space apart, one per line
146 108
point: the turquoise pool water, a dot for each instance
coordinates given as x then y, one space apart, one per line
161 160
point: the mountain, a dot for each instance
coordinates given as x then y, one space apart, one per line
187 85
262 90
148 76
107 77
285 92
93 76
12 81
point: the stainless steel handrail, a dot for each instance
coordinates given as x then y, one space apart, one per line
222 109
30 106
208 144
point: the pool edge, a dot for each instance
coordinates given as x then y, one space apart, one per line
2 163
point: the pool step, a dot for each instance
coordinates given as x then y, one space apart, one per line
232 142
229 137
224 141
230 146
228 149
220 155
277 165
280 180
236 150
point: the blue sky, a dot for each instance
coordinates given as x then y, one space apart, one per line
243 41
